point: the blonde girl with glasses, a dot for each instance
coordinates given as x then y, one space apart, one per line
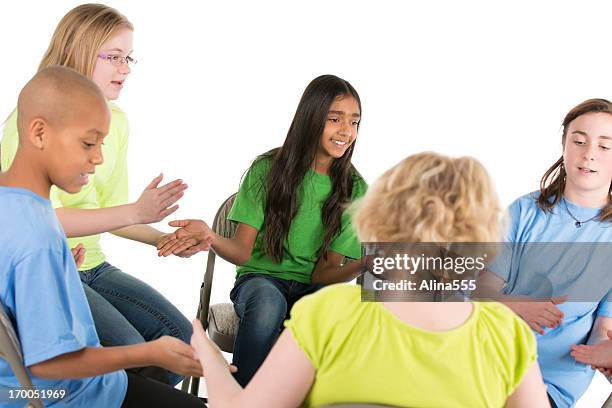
96 41
338 349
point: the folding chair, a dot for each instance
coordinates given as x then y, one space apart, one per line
608 403
220 319
10 350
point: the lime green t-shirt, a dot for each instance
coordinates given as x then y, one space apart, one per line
364 353
108 187
306 232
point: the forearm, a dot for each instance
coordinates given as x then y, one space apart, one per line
141 233
231 250
94 361
223 390
337 273
82 222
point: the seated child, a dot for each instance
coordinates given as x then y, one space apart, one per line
415 354
63 119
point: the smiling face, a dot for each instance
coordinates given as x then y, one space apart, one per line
74 149
108 77
587 155
340 128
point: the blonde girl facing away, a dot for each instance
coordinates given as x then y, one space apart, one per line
96 41
338 349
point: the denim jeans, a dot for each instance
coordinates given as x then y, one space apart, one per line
263 303
127 311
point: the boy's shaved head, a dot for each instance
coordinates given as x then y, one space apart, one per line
57 95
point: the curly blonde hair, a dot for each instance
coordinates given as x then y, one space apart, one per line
430 197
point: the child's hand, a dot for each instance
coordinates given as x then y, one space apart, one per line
538 314
206 350
598 356
155 202
175 355
192 237
78 253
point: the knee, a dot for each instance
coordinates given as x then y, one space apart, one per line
266 304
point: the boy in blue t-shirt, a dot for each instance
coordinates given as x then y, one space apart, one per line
63 119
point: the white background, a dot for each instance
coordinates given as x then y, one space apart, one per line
218 83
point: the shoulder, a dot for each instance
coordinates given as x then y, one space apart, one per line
360 186
32 220
333 302
119 123
505 328
528 201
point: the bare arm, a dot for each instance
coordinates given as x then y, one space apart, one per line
155 204
166 352
80 223
281 382
537 314
331 270
238 249
141 233
194 235
531 392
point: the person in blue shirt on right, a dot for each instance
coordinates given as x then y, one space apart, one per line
551 258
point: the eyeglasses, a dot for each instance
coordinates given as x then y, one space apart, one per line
118 60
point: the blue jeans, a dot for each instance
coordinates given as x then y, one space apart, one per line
127 311
263 303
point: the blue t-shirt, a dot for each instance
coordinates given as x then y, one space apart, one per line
557 269
43 297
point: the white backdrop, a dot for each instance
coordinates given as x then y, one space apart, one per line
218 82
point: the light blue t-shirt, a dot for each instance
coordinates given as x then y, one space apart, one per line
554 269
43 296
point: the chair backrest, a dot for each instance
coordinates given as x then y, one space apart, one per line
10 350
226 229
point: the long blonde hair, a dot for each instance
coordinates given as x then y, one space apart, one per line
79 36
429 197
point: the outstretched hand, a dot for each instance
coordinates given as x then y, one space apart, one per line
598 356
191 237
540 314
156 203
207 352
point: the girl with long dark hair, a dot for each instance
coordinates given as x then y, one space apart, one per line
293 232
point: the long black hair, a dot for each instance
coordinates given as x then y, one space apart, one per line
291 162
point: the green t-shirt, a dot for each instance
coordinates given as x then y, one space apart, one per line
306 232
362 352
108 187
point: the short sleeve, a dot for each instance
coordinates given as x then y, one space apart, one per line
525 352
605 306
48 306
347 243
10 142
501 264
304 330
249 205
115 192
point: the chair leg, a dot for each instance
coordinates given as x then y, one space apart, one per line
195 386
185 384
